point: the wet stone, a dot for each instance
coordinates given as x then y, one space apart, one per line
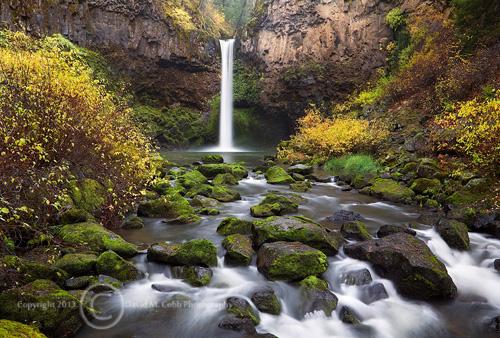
348 316
357 277
373 293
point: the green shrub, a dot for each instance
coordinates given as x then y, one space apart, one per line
352 165
395 18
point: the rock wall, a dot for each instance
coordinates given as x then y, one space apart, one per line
160 61
318 50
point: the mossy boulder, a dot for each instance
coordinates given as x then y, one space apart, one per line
409 263
388 229
316 296
223 194
290 261
192 179
74 215
53 319
77 264
212 170
391 190
278 175
12 329
426 186
242 309
239 249
161 186
302 186
15 270
209 211
96 238
88 195
233 225
200 201
266 300
80 282
274 205
172 206
194 252
355 230
200 190
428 168
348 316
296 229
211 159
225 179
133 223
111 264
454 233
193 275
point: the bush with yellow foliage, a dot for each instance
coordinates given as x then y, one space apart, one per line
320 138
59 123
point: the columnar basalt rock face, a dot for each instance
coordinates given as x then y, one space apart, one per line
318 50
136 38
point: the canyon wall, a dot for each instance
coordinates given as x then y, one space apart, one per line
317 50
160 62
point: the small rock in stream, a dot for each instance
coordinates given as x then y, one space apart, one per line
372 293
347 316
496 264
357 277
386 230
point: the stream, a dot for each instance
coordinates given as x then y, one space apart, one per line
195 312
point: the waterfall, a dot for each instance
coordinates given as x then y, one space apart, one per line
226 96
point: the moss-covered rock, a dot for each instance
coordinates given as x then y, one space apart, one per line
88 195
212 170
316 296
172 206
161 186
454 233
59 315
290 261
97 238
200 190
296 229
77 264
278 175
110 264
426 186
209 211
12 329
225 179
200 201
348 316
302 186
409 263
391 190
274 205
355 230
15 270
132 223
223 194
192 179
266 300
80 282
233 225
74 215
239 249
193 275
194 252
388 229
211 159
241 309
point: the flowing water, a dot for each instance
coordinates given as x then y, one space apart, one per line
226 97
187 311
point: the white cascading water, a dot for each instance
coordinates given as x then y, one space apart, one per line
226 96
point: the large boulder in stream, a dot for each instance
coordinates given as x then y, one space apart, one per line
194 275
355 230
266 300
274 205
278 175
317 296
239 249
194 252
454 233
110 264
391 190
290 261
95 237
409 263
77 264
12 329
212 170
233 225
172 206
16 270
297 229
59 318
389 229
223 194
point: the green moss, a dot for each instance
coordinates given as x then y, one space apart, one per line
110 264
194 275
225 179
12 329
209 211
77 264
265 210
391 190
172 205
194 252
426 186
242 309
212 170
395 18
278 175
29 270
356 230
192 179
233 225
74 215
88 195
223 194
314 283
303 186
213 158
238 249
95 237
298 265
273 205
